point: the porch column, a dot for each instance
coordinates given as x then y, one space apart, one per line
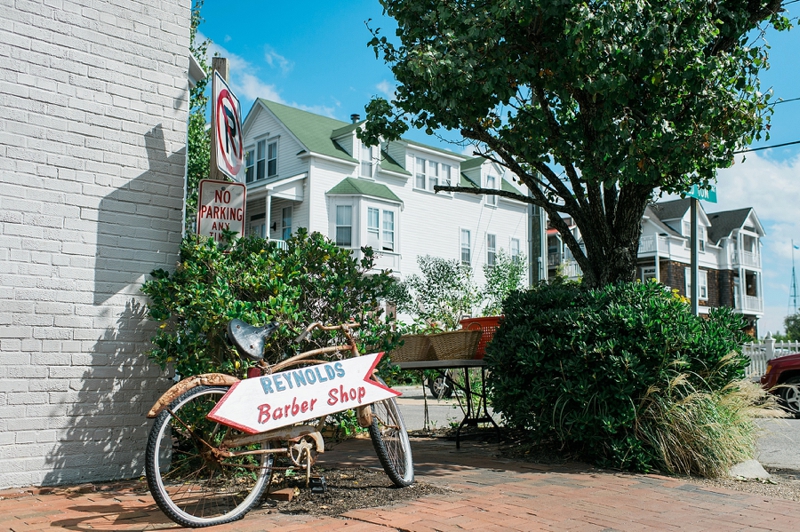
267 215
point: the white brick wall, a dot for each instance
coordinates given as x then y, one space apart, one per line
93 109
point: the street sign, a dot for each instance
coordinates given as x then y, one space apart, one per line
709 195
273 401
228 128
220 206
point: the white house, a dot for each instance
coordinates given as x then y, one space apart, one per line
729 255
307 170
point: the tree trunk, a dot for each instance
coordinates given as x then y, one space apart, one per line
610 234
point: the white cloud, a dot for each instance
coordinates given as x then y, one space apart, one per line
772 188
274 59
243 77
385 88
227 38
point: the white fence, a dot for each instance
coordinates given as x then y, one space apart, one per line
760 353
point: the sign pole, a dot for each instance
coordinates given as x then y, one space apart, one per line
220 65
695 288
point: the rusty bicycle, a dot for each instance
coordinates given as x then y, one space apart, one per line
212 446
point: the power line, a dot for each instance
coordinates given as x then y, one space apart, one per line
790 99
768 147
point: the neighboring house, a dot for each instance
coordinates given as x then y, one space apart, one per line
729 256
93 146
307 170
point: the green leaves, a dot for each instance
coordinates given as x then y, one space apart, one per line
254 280
580 365
636 96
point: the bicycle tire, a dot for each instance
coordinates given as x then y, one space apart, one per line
441 386
190 485
390 439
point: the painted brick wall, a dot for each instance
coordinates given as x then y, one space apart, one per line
93 110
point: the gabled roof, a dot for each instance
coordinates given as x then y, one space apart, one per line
723 223
671 210
653 218
352 186
312 130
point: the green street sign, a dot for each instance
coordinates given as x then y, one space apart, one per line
703 194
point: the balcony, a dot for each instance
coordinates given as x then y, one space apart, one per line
753 304
647 244
747 259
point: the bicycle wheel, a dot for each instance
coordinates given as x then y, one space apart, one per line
441 387
193 484
390 439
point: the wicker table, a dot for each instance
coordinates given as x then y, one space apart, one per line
472 416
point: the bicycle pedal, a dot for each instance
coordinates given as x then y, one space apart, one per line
318 485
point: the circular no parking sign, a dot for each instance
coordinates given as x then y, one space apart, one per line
228 127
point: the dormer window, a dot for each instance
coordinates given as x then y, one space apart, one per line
491 183
367 160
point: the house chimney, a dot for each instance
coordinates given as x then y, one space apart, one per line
355 117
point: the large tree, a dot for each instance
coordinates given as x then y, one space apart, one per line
593 105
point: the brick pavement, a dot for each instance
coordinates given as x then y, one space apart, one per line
485 493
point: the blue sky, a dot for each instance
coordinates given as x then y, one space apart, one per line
313 55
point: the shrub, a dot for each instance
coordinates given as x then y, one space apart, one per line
585 370
505 276
254 280
441 295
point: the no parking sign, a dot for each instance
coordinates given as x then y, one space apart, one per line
228 128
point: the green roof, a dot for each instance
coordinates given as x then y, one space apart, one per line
387 163
508 187
352 186
469 164
312 130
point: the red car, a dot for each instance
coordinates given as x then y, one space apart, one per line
783 379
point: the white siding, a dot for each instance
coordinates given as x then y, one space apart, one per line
92 138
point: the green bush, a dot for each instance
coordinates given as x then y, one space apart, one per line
254 280
580 368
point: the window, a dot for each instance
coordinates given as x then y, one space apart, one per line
515 249
447 172
344 225
380 237
433 174
272 159
261 159
388 231
646 273
466 257
366 160
491 249
286 223
249 165
257 226
701 238
491 182
702 278
421 179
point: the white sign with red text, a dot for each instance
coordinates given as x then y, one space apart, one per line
220 206
273 401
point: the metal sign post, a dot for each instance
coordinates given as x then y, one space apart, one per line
696 193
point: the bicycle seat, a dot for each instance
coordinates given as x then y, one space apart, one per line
249 339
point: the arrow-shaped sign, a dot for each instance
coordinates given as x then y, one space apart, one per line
273 401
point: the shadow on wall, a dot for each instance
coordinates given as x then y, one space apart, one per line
102 428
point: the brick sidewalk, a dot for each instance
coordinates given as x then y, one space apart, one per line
486 494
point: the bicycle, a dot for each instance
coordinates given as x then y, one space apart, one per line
203 471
